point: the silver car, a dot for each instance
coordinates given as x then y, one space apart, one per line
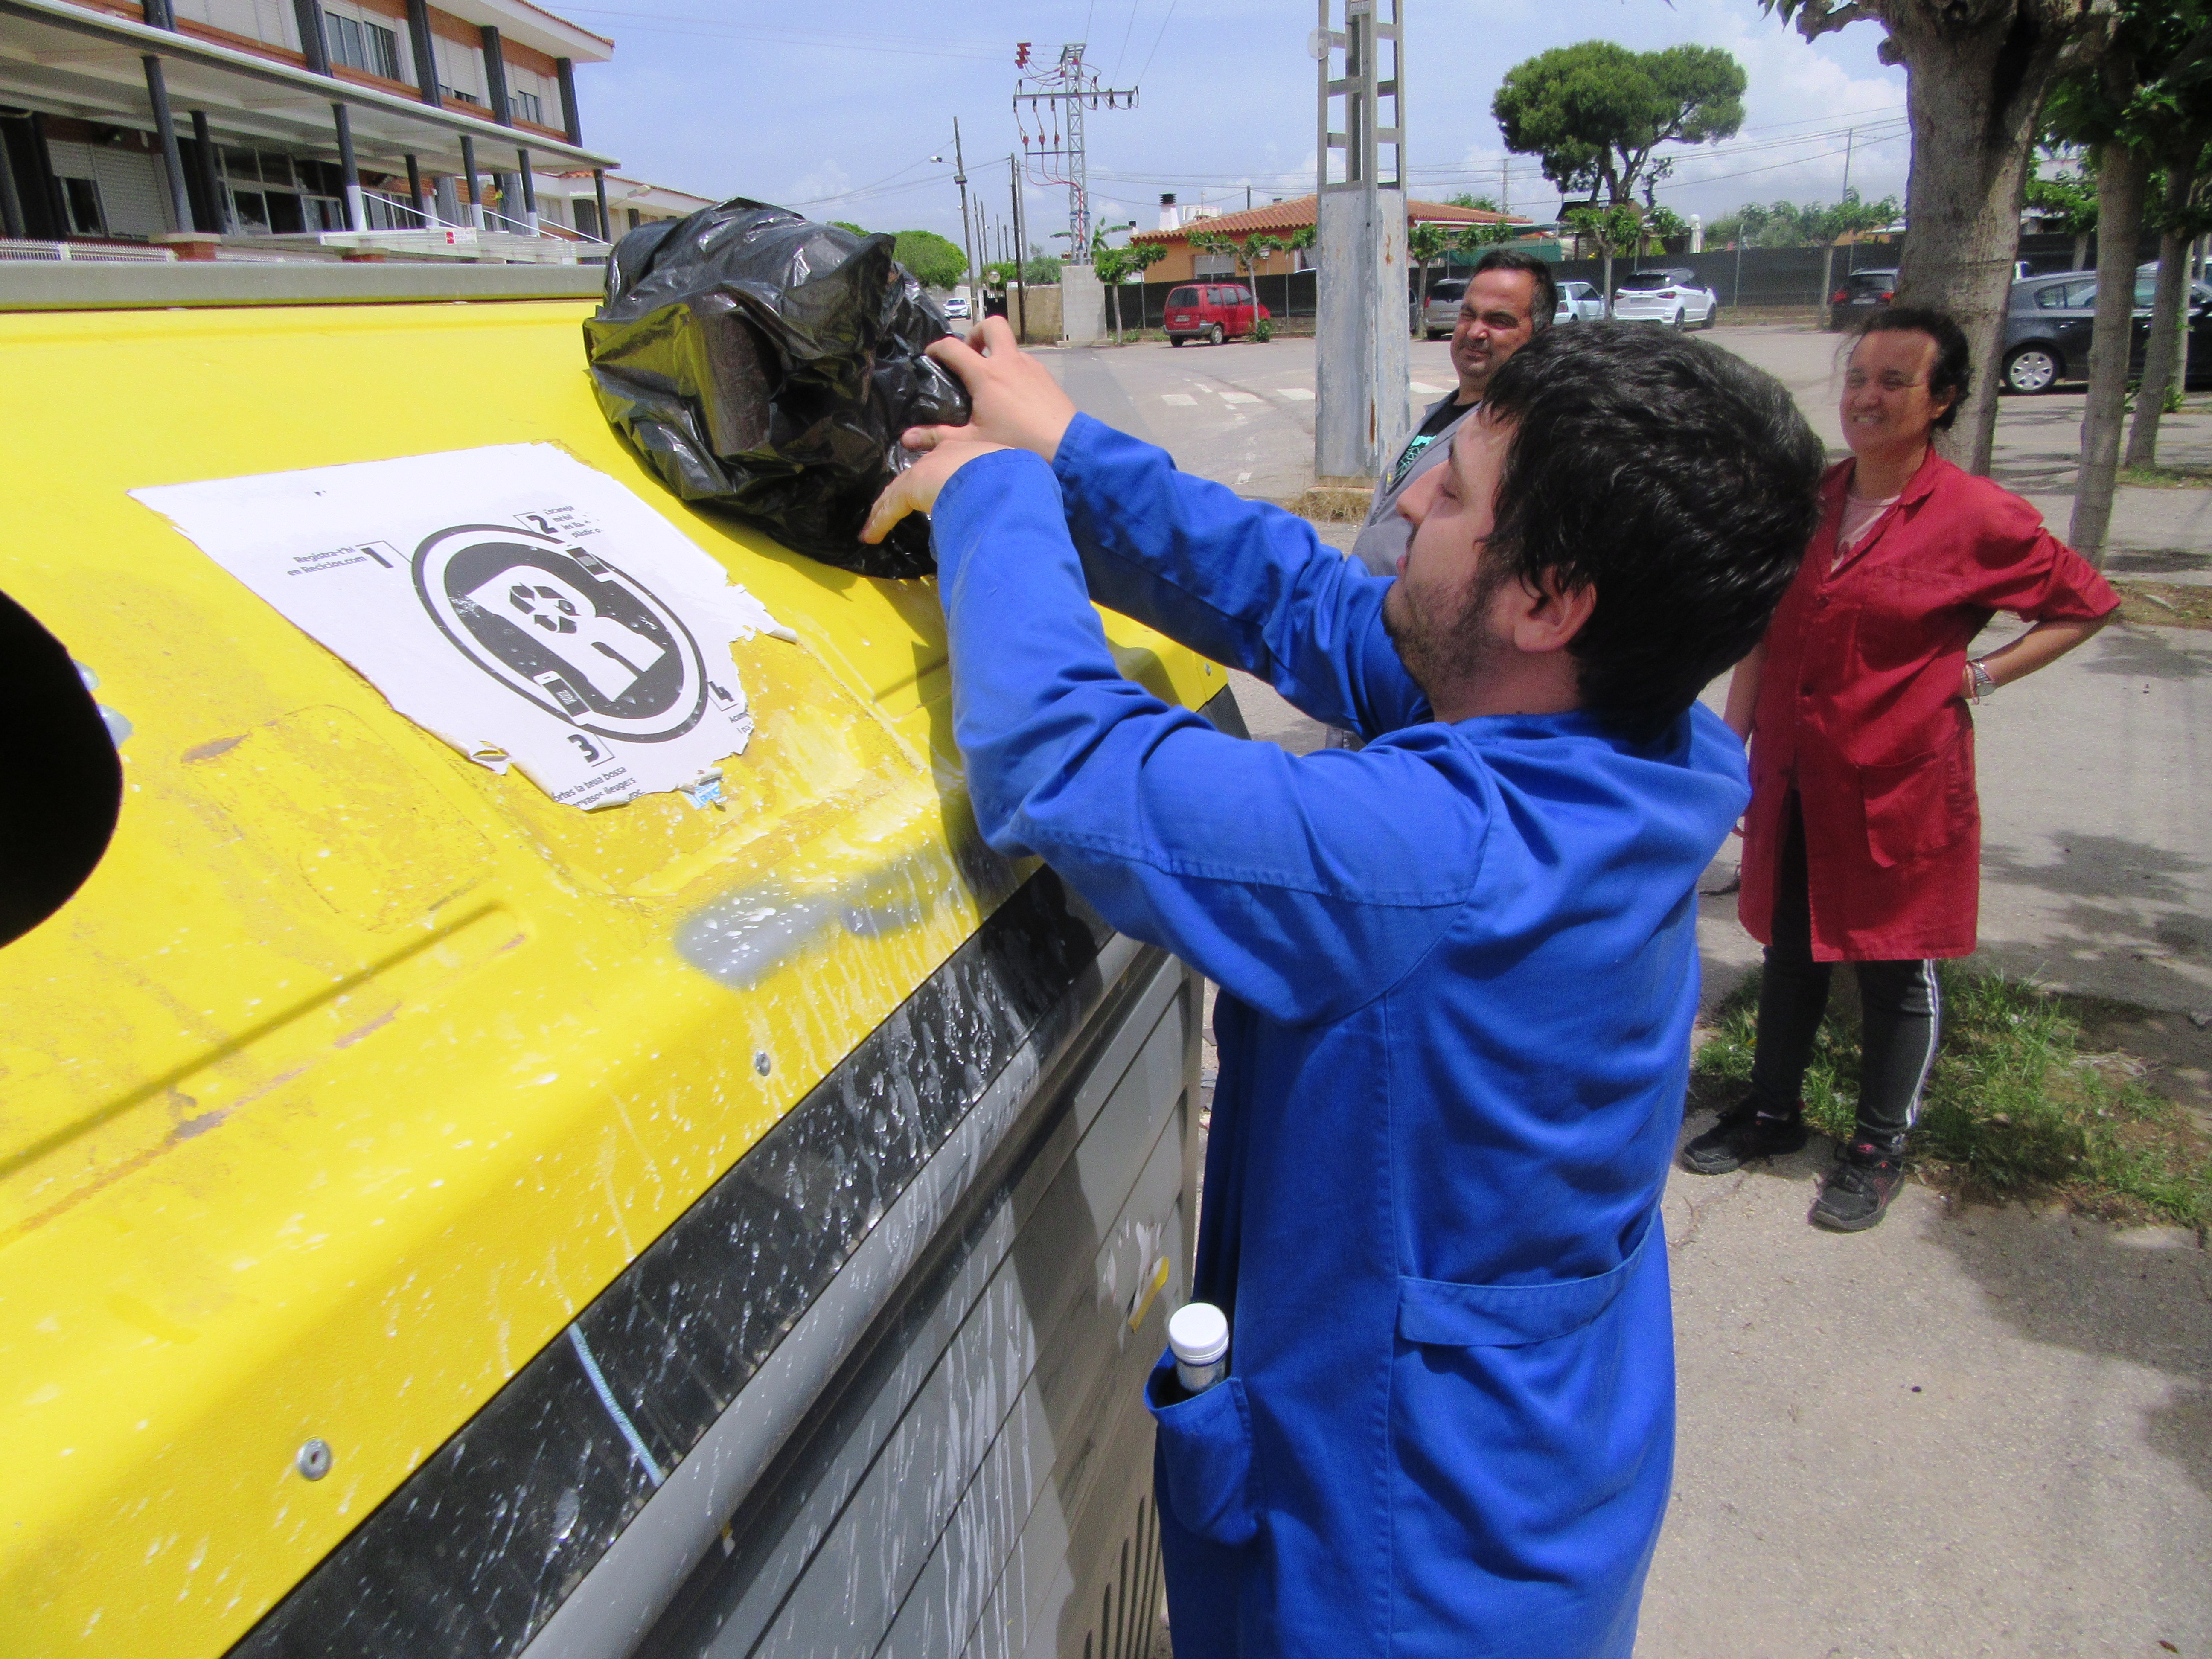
1441 315
1579 303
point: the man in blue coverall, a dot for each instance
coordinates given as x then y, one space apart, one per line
1458 967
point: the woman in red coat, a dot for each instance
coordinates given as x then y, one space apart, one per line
1864 840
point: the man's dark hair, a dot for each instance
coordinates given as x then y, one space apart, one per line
1954 368
1674 479
1543 287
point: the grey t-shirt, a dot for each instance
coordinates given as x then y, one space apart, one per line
1382 536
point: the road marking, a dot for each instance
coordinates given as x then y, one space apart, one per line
1180 399
1238 398
1297 394
1425 388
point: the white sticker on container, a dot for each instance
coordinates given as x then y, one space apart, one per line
524 607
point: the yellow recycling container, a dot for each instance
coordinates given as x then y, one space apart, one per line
439 1219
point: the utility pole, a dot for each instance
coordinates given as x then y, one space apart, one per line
1360 413
1021 255
1505 185
967 235
1850 135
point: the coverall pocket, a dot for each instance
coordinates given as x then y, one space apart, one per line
1447 1313
1205 1449
1911 806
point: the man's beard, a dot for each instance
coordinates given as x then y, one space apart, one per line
1442 651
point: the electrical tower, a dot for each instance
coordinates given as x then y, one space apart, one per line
1049 109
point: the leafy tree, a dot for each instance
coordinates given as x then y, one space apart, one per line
1427 245
1661 223
2068 205
1250 253
1487 204
1595 112
846 224
1040 270
935 261
1116 265
2146 104
1975 75
1616 229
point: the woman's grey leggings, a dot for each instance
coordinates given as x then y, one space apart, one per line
1901 1007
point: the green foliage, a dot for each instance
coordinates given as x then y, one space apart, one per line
1041 271
2066 204
1662 222
1263 330
2016 1106
1250 252
1595 112
1616 230
1119 264
846 224
1792 224
936 261
1487 204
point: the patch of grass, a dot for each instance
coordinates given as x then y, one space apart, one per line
2168 477
2014 1109
2165 604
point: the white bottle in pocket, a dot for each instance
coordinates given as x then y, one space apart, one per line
1197 1332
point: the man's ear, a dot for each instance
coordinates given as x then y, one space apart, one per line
1546 614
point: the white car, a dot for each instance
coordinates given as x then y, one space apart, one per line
956 305
1579 303
1670 295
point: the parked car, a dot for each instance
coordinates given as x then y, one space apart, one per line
1859 293
956 306
1212 311
1579 303
1670 295
2048 320
1441 315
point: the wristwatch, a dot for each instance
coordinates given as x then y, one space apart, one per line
1984 686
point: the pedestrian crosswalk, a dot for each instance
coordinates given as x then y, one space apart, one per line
1296 394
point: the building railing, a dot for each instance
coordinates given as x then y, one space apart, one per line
104 252
398 213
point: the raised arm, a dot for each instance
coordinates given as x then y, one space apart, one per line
1239 582
1296 883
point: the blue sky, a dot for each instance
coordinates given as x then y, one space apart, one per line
840 119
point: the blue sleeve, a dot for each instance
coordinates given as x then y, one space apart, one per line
1307 886
1240 581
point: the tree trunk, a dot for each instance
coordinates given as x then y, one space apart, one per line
2082 251
2168 317
2121 176
1973 96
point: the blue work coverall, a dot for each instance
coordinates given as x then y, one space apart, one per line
1458 970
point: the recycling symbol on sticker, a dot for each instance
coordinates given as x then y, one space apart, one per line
563 630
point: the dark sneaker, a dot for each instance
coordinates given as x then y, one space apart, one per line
1859 1188
1744 1134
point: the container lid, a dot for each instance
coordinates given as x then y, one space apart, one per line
1199 1333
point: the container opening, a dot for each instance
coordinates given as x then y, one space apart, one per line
57 818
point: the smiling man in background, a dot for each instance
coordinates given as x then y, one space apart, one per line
1509 299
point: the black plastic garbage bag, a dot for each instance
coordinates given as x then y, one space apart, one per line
766 364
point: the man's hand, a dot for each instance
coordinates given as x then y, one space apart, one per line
1017 406
1017 403
914 490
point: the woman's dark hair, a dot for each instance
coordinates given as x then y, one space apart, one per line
1543 287
1954 371
1674 479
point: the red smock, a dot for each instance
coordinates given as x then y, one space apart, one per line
1860 710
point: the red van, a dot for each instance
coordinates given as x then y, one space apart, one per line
1212 311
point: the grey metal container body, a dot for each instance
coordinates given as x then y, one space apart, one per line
980 1482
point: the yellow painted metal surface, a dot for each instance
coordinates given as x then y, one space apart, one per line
355 1070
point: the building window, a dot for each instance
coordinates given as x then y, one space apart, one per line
82 198
634 217
527 108
364 46
587 219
